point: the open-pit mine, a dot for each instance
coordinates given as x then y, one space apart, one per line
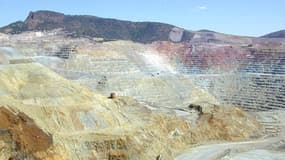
72 94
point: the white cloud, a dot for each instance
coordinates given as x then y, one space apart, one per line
202 8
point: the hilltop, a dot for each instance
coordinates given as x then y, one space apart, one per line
92 26
278 34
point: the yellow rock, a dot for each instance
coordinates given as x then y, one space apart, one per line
87 125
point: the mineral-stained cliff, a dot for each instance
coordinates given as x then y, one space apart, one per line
24 136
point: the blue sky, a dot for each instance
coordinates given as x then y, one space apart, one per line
241 17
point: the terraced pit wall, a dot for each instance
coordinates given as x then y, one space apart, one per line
254 80
257 84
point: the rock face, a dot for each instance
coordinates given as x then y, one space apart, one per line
27 137
176 34
91 26
39 20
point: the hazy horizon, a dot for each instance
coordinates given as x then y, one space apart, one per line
246 18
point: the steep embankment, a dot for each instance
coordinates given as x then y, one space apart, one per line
74 122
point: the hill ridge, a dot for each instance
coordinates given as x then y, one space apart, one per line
92 26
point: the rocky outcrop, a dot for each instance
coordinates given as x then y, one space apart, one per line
25 137
176 34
